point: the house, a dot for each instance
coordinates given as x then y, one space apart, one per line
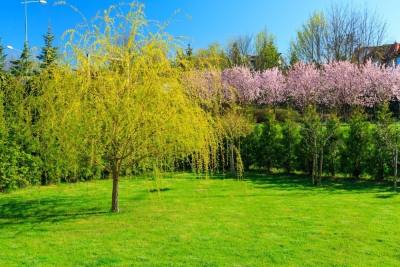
388 54
252 61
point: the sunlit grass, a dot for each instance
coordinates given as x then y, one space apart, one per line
261 221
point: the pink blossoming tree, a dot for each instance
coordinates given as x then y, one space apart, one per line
304 85
272 87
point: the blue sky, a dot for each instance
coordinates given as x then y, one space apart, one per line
202 21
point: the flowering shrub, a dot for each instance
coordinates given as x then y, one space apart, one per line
335 84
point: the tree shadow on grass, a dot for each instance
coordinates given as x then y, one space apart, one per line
14 211
332 185
387 196
303 182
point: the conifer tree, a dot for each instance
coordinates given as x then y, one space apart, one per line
24 65
48 55
189 51
382 143
269 141
356 145
235 56
267 55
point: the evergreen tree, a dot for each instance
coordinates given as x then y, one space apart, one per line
250 148
24 65
269 141
382 141
289 143
235 57
189 51
268 55
293 58
48 55
356 145
333 144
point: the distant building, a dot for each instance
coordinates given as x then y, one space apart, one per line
252 61
388 55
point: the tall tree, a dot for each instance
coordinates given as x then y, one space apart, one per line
269 141
48 55
24 65
293 56
350 29
212 57
382 143
310 43
394 131
289 142
235 56
356 145
240 50
244 43
267 55
342 32
312 134
133 113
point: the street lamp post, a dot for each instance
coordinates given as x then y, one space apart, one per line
25 3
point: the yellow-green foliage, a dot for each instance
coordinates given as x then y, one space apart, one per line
206 88
123 104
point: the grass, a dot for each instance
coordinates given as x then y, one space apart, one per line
262 221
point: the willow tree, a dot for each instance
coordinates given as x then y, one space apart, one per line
123 104
207 88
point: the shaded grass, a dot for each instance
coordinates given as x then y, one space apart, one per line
261 221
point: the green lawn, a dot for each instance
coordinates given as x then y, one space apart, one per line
263 221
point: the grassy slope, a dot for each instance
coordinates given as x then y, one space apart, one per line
259 222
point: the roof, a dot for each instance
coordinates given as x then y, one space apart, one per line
382 53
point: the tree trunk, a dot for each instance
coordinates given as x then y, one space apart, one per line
232 159
332 168
288 161
115 190
357 169
314 168
396 156
321 164
380 175
314 172
268 165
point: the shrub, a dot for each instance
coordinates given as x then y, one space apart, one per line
269 141
381 156
357 145
250 148
289 143
17 168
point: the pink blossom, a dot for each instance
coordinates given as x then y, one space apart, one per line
341 84
376 86
334 84
244 81
395 76
303 84
206 86
272 86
